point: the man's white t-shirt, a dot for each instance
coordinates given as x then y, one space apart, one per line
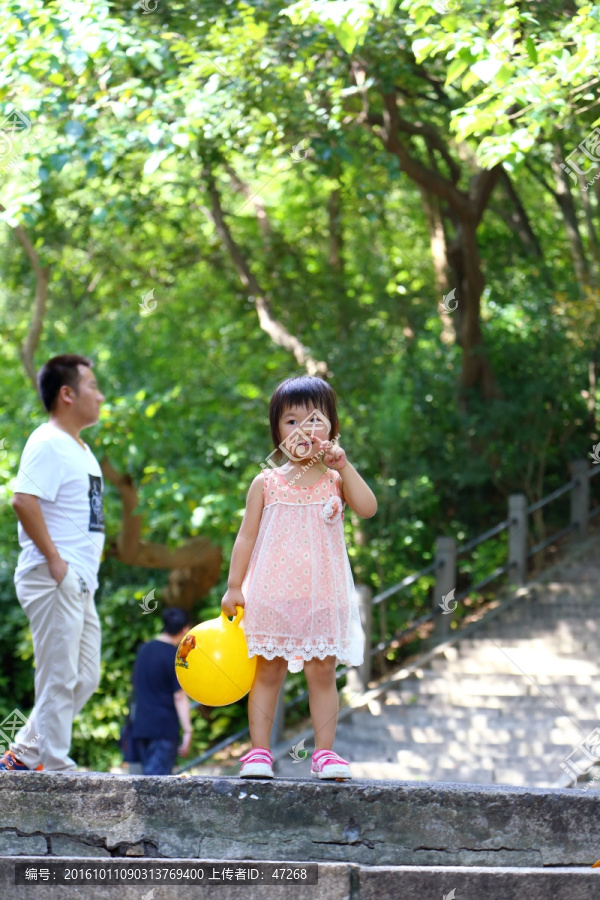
68 482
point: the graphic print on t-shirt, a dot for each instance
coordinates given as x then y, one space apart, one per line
96 510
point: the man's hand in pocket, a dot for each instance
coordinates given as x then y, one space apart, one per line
58 568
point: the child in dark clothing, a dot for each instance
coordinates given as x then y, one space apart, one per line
160 704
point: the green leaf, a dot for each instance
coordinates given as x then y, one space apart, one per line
154 161
74 129
531 50
423 15
486 69
455 69
57 161
155 60
421 48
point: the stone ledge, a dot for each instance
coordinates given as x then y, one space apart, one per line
435 882
334 884
368 823
337 881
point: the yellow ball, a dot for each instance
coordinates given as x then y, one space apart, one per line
212 664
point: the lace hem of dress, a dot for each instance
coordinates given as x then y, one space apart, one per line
298 655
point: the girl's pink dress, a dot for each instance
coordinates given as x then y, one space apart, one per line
299 591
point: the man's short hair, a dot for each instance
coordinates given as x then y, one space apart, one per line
58 371
174 619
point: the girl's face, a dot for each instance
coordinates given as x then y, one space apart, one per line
299 428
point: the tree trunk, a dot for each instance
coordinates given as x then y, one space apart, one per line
564 198
466 211
336 257
437 240
519 220
594 248
463 254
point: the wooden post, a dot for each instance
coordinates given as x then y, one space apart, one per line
580 497
445 584
278 719
359 677
517 539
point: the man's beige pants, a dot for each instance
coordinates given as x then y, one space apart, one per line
66 643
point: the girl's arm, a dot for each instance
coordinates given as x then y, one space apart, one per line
357 493
243 547
355 490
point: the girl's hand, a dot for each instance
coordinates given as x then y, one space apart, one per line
233 597
333 455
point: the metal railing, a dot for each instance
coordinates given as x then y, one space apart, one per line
444 569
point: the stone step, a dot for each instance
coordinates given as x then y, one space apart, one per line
486 685
553 729
455 746
369 823
549 756
449 717
557 666
479 771
336 881
506 704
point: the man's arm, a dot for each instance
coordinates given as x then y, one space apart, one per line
29 514
182 705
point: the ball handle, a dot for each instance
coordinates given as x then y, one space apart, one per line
239 612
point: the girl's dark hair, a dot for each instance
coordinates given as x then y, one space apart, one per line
174 619
303 390
58 371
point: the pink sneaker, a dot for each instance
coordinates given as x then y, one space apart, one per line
257 763
327 764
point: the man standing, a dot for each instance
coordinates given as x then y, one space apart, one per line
58 501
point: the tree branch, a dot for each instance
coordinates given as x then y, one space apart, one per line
424 176
482 186
42 277
426 131
269 324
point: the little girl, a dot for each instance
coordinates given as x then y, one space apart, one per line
290 570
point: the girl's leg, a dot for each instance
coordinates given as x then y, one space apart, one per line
323 699
270 674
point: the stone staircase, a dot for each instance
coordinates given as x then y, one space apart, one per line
138 838
507 703
503 704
